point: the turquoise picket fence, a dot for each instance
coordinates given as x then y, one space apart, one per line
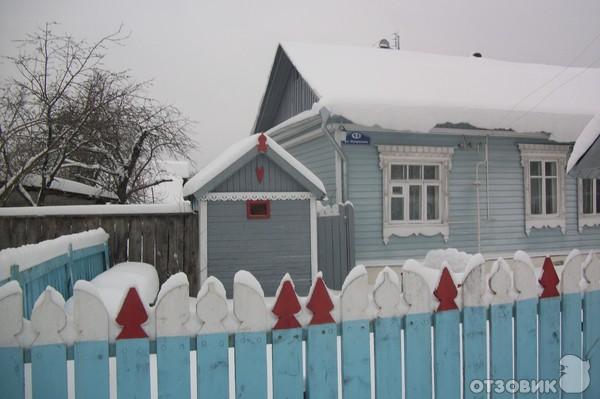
62 268
411 335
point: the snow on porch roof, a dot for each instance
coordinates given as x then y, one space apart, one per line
229 157
411 91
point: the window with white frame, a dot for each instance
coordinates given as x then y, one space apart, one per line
589 203
415 185
544 182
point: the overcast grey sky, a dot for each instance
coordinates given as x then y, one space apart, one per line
212 58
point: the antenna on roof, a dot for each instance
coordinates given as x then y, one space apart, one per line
396 41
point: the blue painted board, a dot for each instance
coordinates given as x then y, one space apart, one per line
11 370
133 368
571 331
288 379
526 343
212 366
501 359
474 350
321 362
549 342
591 341
173 364
447 354
91 370
356 368
417 338
388 357
251 365
49 371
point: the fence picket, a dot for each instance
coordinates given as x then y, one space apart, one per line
251 365
12 372
49 371
417 338
173 363
288 381
501 361
321 362
133 368
571 330
474 349
212 366
526 343
356 369
591 341
549 341
388 357
91 370
447 354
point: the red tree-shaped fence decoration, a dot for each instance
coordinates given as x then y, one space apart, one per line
131 316
320 304
446 292
549 279
286 306
262 143
260 173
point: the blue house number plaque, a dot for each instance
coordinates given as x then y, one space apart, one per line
357 138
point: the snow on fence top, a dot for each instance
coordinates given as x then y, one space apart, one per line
411 91
235 152
107 209
176 314
30 255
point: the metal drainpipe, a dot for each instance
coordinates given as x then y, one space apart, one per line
325 116
477 184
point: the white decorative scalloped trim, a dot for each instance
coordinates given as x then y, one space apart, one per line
244 196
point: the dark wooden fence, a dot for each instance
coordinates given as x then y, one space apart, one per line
335 232
169 240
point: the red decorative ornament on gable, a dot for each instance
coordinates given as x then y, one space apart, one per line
260 173
320 304
446 292
262 143
549 279
286 307
131 316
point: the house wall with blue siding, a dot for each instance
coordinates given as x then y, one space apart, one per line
268 248
502 233
318 155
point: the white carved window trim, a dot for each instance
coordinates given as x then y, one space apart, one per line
420 155
244 196
587 219
545 152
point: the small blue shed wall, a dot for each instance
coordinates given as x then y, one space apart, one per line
504 232
318 155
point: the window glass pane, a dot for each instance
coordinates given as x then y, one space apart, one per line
414 171
397 190
551 199
536 196
397 208
587 194
433 201
398 172
535 168
431 172
550 168
414 193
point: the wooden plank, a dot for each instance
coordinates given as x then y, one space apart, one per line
78 224
474 349
135 239
192 264
148 240
162 247
108 224
176 256
501 359
120 241
356 369
91 370
591 341
133 368
447 354
418 356
12 372
212 359
50 227
5 232
571 339
388 357
549 342
49 371
173 363
251 365
34 229
288 381
342 266
18 231
349 212
321 362
526 343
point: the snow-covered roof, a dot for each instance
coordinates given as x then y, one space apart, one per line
69 186
228 157
411 91
588 137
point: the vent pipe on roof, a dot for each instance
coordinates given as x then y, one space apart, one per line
477 55
384 43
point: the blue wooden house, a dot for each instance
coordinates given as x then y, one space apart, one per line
257 212
439 151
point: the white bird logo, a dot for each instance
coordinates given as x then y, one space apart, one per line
575 374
